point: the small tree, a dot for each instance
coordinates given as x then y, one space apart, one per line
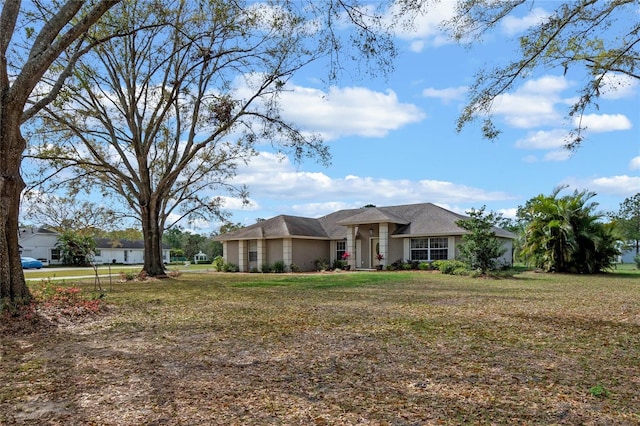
76 249
480 248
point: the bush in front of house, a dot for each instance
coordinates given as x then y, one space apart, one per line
218 263
451 267
279 267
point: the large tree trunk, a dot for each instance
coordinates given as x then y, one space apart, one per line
13 288
153 264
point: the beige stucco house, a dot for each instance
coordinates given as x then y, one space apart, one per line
423 232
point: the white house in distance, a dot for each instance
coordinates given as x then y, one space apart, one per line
41 243
415 232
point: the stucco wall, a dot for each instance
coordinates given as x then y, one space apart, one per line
231 252
274 251
306 252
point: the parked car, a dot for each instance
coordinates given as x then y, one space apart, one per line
30 263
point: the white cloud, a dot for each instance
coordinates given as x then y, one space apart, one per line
558 155
532 104
315 193
446 95
510 213
618 86
617 185
634 164
512 25
620 186
599 123
543 140
348 111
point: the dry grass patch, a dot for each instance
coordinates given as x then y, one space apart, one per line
337 349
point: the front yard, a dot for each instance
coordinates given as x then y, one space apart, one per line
407 348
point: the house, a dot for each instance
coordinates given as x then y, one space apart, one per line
127 252
39 243
42 244
422 232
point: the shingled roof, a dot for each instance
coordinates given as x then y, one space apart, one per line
425 219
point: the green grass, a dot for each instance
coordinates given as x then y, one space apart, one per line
337 349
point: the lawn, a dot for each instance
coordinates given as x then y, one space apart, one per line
379 348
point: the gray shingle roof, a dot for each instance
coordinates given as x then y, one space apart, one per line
424 219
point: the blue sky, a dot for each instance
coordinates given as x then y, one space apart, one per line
394 142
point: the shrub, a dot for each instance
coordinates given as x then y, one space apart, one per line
339 264
425 266
294 268
218 263
279 267
449 266
230 267
127 276
322 264
266 268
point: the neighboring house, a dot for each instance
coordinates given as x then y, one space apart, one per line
124 251
41 244
422 232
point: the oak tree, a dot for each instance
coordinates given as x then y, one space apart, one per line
163 117
34 41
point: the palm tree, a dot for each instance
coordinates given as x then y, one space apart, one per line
565 234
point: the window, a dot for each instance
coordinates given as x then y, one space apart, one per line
55 254
428 249
253 251
439 248
97 252
420 249
341 248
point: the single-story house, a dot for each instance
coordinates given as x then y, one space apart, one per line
42 244
39 243
127 252
422 232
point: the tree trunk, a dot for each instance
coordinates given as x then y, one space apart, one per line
13 288
153 260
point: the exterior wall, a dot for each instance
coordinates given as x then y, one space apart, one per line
396 247
306 252
133 256
274 251
231 252
39 246
507 257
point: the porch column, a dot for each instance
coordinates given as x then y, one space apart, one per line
287 252
351 245
224 252
242 256
384 242
262 254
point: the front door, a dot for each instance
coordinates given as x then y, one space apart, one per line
374 250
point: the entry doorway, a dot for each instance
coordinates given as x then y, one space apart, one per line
373 251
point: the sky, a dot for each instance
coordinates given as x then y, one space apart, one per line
394 141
